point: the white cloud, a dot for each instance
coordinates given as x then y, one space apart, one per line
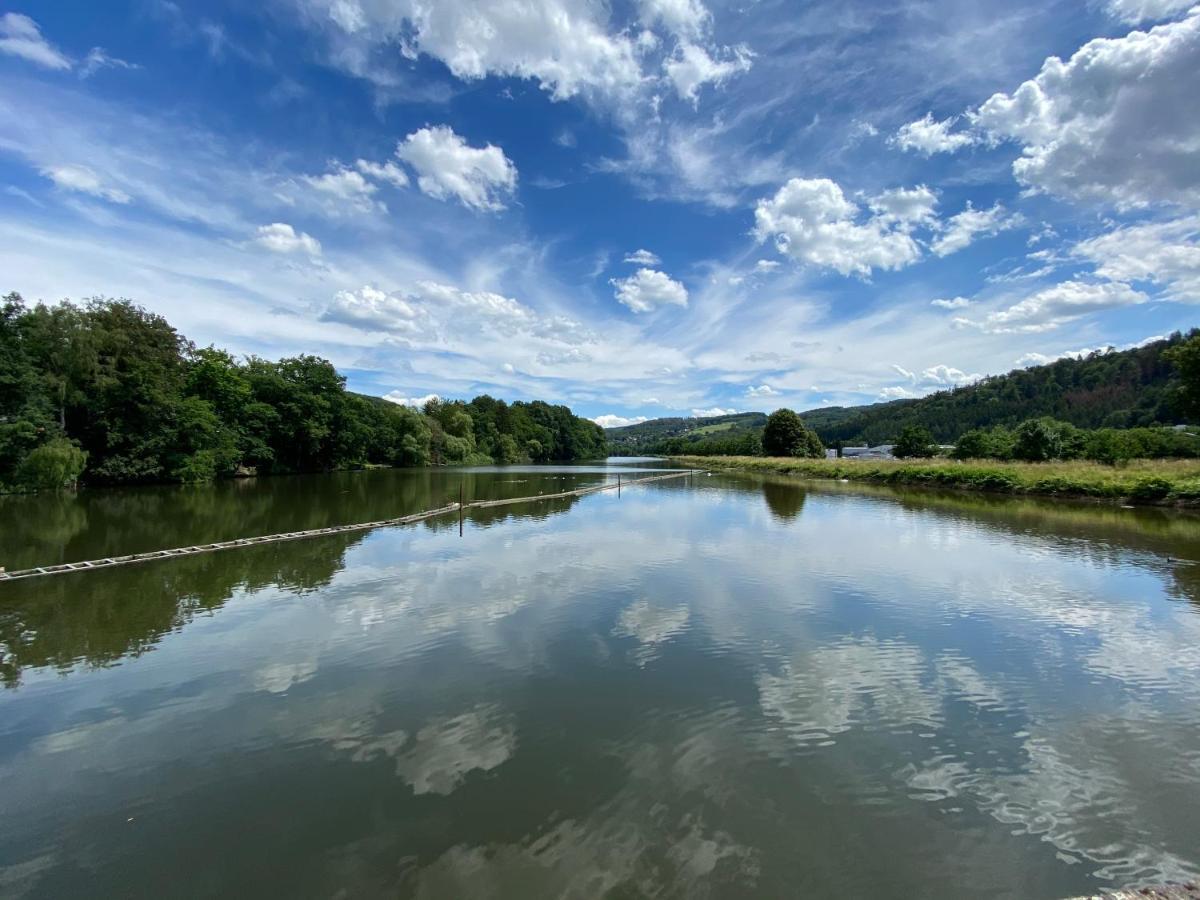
1033 359
933 378
960 230
283 238
929 136
648 289
98 59
955 303
643 258
685 18
85 181
691 67
1116 122
373 310
766 265
812 221
563 45
478 177
714 411
398 398
1162 253
1054 306
906 205
388 172
347 188
1136 11
612 420
947 376
762 390
21 37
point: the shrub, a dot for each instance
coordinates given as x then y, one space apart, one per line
53 465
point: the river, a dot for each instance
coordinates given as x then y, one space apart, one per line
721 686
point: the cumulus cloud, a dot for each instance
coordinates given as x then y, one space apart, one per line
563 45
1166 254
909 206
811 220
960 230
371 309
762 390
929 136
398 398
691 67
84 181
345 188
387 172
1134 12
1054 306
611 420
713 411
648 289
954 303
20 36
933 378
643 258
280 237
447 167
1115 123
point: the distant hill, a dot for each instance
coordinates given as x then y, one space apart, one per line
646 437
1115 388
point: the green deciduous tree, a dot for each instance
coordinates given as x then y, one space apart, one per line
786 435
914 441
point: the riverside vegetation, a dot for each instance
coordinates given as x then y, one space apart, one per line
109 393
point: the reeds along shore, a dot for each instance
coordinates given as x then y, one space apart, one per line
1161 482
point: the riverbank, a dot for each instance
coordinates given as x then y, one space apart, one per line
1151 482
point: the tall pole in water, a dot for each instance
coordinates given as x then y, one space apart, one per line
618 485
460 508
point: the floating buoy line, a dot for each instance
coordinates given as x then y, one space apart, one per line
460 507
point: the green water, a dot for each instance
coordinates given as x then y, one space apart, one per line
722 686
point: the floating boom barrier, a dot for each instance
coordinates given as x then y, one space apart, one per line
459 507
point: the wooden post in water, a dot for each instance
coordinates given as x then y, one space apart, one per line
460 508
618 485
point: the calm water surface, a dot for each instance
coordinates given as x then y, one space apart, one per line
726 687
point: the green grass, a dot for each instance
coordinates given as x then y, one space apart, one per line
1169 481
712 429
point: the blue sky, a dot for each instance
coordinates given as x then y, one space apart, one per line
645 208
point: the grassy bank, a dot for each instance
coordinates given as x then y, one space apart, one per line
1141 481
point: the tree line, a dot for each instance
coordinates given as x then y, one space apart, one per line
109 393
1136 388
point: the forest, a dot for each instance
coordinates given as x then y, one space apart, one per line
109 393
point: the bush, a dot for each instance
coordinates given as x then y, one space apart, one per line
201 466
53 465
1150 487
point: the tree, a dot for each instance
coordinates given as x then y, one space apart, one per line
53 465
1037 440
914 441
1185 357
785 435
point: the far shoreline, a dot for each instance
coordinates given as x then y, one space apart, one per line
1161 483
